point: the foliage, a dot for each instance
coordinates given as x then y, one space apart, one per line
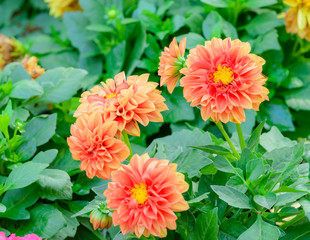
262 195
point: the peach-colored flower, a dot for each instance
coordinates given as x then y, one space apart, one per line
298 18
145 194
171 62
31 66
59 7
223 78
93 143
126 102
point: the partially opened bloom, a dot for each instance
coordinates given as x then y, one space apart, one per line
298 18
100 219
93 143
125 101
31 66
223 79
145 194
171 62
59 7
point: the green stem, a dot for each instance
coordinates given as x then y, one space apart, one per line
220 126
126 140
236 10
240 134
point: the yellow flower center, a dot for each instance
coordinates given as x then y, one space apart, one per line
139 193
111 95
223 74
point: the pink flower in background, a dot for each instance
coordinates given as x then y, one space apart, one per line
14 237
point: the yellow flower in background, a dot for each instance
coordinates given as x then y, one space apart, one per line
31 66
59 7
298 18
10 50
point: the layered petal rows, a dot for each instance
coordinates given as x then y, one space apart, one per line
125 101
93 143
223 79
145 194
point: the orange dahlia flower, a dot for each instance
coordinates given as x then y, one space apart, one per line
145 195
171 62
223 78
126 102
298 18
93 143
31 66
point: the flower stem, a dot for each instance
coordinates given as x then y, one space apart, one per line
126 140
220 126
240 134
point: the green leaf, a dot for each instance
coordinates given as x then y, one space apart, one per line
45 221
215 149
45 157
277 114
5 121
254 169
65 162
218 3
265 42
176 102
231 229
16 202
14 71
299 99
274 139
198 199
212 25
71 225
186 165
76 25
60 84
288 197
41 129
24 175
136 44
193 39
263 23
261 230
42 44
26 89
115 59
206 226
232 196
222 164
170 147
255 136
259 3
266 201
100 28
55 184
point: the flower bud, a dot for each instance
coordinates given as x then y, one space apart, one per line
100 219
